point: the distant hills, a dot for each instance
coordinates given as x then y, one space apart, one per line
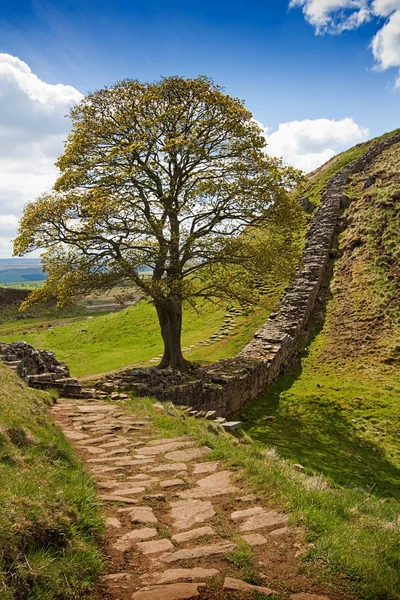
20 270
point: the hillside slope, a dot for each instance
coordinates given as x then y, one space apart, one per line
49 525
337 411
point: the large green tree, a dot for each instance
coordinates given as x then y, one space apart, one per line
171 176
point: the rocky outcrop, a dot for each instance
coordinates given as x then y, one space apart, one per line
40 369
228 385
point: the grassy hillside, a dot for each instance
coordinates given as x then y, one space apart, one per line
337 411
354 537
49 525
101 343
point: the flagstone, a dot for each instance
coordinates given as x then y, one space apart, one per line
173 591
186 513
172 575
187 455
126 541
193 534
238 585
200 552
206 467
166 467
155 547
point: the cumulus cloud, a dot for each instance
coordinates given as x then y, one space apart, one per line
336 16
32 129
309 143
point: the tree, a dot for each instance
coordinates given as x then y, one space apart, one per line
169 176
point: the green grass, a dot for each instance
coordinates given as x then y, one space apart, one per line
355 536
103 343
50 528
317 183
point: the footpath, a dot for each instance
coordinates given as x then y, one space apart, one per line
178 525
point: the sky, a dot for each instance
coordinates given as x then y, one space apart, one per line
318 75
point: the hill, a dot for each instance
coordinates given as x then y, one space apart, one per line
21 270
50 531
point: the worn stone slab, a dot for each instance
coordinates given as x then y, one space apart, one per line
93 408
187 455
200 552
93 449
238 585
155 547
166 467
186 513
192 534
173 591
100 469
263 519
75 435
247 498
143 514
168 483
113 522
126 541
172 575
162 448
158 442
206 467
281 531
305 596
213 485
254 539
118 577
96 440
115 498
115 443
247 512
130 491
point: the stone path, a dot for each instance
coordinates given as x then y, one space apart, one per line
173 516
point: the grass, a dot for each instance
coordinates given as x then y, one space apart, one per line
50 528
103 343
355 535
318 181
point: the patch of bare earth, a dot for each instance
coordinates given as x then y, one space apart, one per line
173 517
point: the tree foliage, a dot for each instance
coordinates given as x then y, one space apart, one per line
171 177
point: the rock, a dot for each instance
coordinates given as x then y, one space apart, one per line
162 468
187 455
112 498
255 539
248 512
155 547
210 414
75 435
186 574
193 534
305 596
241 586
232 425
125 542
119 577
213 485
206 467
200 552
158 442
93 450
161 448
186 513
281 531
263 519
247 498
156 497
130 491
143 514
113 522
168 483
173 591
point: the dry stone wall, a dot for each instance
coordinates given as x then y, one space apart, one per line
228 385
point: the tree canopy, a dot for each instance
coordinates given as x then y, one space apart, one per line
172 177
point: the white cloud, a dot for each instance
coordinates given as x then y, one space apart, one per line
32 129
310 143
335 16
386 43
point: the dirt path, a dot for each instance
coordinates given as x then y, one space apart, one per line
174 519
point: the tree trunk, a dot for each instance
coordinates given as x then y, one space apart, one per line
170 318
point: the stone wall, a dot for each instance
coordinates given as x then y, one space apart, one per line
228 385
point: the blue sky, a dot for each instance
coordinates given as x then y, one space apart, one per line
307 72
